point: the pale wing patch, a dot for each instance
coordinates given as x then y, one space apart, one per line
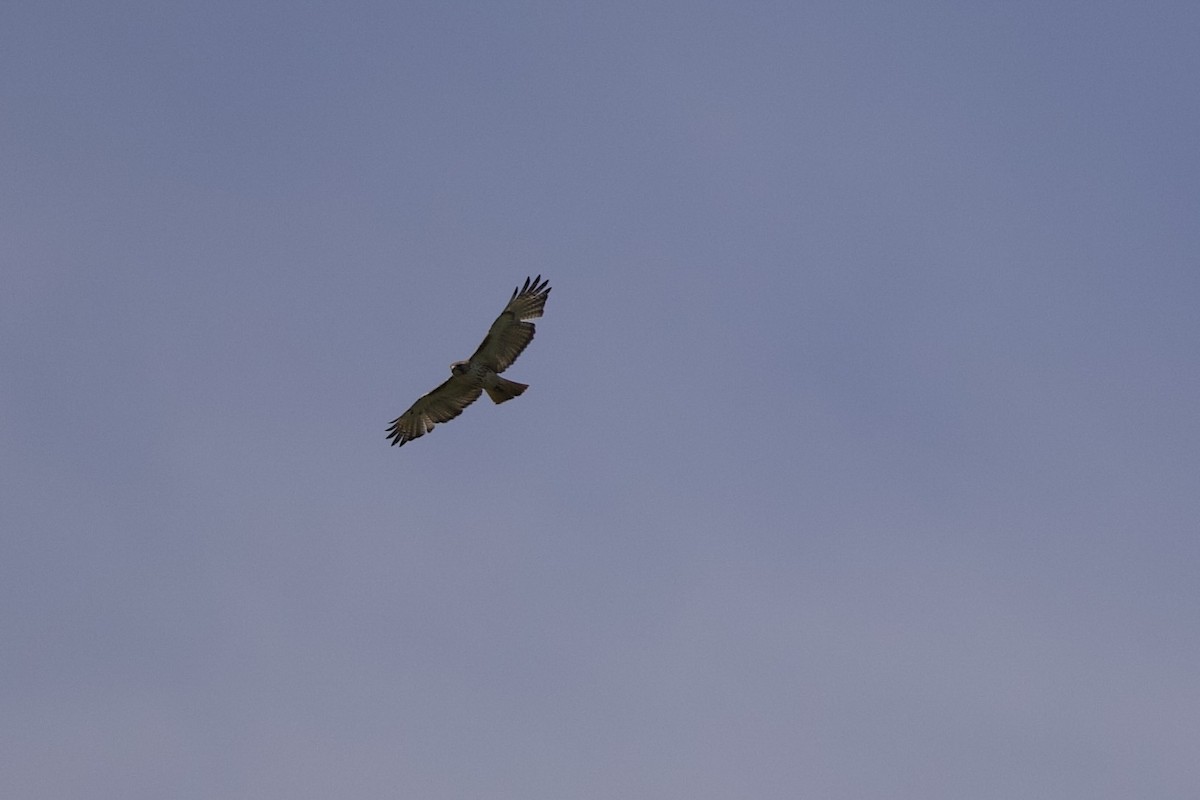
441 405
510 334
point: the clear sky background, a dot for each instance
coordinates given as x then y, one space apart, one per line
861 456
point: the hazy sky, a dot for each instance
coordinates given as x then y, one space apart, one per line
861 456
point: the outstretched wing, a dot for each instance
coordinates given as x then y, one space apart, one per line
510 333
441 405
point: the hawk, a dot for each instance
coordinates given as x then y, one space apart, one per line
509 335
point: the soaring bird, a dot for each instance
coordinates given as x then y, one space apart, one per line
509 335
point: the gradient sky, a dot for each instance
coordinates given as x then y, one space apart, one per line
861 456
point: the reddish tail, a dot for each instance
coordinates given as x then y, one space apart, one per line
505 390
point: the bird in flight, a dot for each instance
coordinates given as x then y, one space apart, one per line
509 335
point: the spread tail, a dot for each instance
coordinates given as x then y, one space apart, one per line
505 389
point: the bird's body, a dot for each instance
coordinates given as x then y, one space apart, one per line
509 335
486 378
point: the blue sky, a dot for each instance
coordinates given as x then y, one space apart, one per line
860 459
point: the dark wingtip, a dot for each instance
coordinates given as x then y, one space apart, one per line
532 286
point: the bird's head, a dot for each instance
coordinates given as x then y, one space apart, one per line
459 367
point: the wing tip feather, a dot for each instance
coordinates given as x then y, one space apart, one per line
532 286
